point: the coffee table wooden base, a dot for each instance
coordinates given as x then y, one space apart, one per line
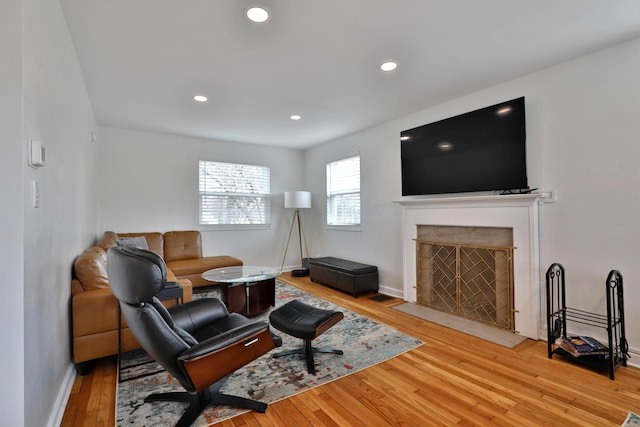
250 298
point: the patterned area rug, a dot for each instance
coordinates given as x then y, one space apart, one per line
632 420
364 342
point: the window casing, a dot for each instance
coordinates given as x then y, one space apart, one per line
234 194
343 192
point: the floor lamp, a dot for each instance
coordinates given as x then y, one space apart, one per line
297 200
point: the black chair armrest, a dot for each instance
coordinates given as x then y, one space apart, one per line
171 290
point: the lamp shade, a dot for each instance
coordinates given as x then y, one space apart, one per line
297 199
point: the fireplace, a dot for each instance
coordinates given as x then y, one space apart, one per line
467 272
517 213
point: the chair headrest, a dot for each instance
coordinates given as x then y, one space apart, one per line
135 275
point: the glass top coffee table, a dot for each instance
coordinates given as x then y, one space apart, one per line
248 289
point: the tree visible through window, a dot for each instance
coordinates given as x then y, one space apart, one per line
343 192
234 194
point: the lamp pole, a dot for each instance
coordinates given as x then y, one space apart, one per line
297 200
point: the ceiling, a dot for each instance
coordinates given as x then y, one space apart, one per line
144 60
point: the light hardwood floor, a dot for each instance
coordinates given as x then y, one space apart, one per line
453 379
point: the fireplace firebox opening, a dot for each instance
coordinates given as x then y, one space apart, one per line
467 272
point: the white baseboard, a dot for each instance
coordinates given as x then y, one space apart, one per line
57 413
289 268
634 361
392 292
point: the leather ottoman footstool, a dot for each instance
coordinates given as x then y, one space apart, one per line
348 276
306 322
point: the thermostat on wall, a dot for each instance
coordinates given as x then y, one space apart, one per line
36 155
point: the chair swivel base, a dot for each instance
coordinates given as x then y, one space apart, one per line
199 401
308 350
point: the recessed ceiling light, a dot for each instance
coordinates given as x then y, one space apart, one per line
389 66
445 146
257 14
200 98
295 117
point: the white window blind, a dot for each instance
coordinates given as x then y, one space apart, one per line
234 194
343 192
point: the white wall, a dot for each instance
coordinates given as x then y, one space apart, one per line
582 136
582 141
149 182
56 111
379 241
580 144
11 222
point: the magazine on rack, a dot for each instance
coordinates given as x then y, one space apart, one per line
580 346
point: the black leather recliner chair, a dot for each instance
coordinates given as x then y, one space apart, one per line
200 343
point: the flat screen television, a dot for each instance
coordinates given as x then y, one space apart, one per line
482 150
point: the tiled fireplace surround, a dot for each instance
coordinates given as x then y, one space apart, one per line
518 212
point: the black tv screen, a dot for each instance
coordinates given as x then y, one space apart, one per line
483 150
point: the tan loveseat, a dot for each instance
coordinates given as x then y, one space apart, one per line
95 309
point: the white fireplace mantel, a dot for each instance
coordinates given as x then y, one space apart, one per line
519 212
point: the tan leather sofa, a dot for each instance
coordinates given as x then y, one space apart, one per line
94 309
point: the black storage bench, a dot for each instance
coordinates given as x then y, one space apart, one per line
348 276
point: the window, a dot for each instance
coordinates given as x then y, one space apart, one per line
234 194
343 192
